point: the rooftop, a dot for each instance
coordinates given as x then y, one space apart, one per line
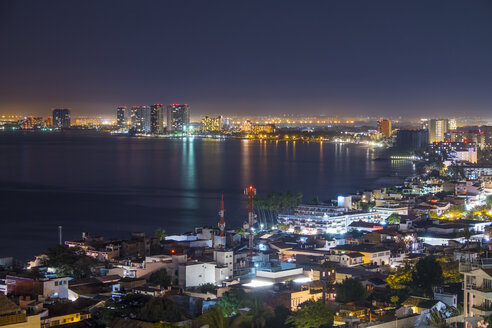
364 248
7 306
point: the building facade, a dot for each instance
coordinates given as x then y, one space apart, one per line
262 128
178 117
61 118
157 119
411 140
477 287
140 119
121 117
384 127
212 124
437 130
318 219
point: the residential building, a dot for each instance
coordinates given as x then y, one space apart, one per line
371 254
157 119
384 127
437 130
262 128
178 117
317 219
466 154
298 294
212 124
246 126
12 316
224 259
140 119
194 274
61 118
121 118
387 208
477 287
411 140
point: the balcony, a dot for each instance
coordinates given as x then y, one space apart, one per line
484 292
11 319
482 309
466 267
483 289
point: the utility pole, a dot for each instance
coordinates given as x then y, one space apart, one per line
60 239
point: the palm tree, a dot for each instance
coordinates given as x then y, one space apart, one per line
257 315
215 318
160 233
394 299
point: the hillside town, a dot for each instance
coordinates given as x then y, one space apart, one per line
410 255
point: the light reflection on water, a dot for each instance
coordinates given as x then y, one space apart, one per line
114 185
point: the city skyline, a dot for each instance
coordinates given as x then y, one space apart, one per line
377 58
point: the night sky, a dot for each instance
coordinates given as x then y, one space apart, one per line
322 57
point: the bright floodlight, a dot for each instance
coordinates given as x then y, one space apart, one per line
258 283
302 280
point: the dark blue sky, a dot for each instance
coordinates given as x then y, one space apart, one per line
334 57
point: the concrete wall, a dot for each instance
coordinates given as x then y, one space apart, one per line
400 323
279 274
197 274
56 288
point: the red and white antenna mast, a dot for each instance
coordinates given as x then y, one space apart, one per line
251 193
222 223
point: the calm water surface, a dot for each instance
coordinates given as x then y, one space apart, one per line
109 185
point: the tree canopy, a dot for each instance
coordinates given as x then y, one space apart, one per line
208 288
160 233
215 318
280 315
450 270
69 262
311 314
427 274
141 307
350 290
160 278
367 206
279 202
488 201
160 309
231 301
283 226
257 314
393 219
400 279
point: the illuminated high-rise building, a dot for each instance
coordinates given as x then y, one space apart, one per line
178 117
246 126
140 119
411 140
121 117
452 125
384 127
61 118
437 130
48 122
263 128
38 122
226 123
212 124
157 119
28 122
